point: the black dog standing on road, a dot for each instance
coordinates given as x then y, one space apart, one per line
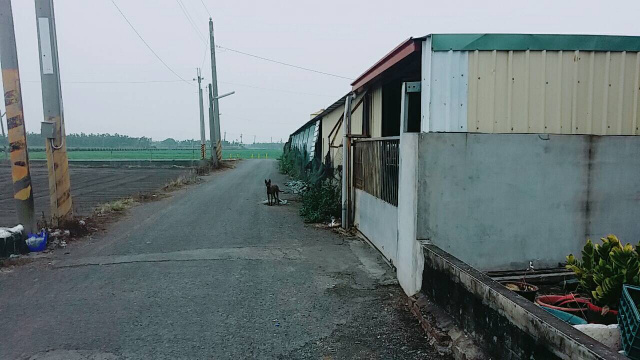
273 192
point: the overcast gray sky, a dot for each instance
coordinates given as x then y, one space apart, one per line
340 37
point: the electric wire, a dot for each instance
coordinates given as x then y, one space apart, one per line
148 46
186 14
282 63
206 8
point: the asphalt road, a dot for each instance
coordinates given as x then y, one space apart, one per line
209 273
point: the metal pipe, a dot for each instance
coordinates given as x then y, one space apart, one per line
346 164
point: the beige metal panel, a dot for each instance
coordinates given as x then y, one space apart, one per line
570 92
329 121
552 93
356 116
376 112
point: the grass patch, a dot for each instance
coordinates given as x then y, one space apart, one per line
115 206
181 181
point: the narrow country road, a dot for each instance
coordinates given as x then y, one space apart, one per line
210 273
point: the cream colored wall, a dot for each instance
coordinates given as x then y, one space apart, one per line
376 112
559 92
356 116
328 122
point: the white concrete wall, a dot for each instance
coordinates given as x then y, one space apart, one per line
498 201
378 221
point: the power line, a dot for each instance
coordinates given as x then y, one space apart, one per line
205 7
273 89
282 63
148 46
190 19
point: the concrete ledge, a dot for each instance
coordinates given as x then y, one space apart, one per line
506 325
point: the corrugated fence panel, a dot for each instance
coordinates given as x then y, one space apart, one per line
560 92
449 91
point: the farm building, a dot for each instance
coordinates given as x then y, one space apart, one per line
500 149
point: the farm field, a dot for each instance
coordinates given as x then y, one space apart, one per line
90 187
144 154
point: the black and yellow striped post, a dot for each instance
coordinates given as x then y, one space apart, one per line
19 156
57 162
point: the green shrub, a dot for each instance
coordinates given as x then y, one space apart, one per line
321 201
605 268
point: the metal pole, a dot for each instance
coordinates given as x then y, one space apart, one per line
214 83
346 164
57 160
22 191
212 131
203 140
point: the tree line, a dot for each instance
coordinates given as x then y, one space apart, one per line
82 140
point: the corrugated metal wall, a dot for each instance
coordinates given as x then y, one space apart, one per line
328 122
376 112
449 83
356 116
570 92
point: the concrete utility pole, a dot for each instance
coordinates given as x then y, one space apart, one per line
240 139
53 126
212 131
225 136
214 83
22 191
203 140
4 135
254 139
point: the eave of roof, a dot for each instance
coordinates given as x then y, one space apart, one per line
400 52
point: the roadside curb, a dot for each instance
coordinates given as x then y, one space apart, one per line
443 334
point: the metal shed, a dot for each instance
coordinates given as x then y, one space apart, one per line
515 83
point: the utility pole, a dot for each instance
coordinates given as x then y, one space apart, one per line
225 136
240 139
214 84
212 131
254 139
22 191
53 126
203 140
4 135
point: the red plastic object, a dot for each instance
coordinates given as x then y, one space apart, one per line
577 305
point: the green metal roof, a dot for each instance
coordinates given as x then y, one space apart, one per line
464 42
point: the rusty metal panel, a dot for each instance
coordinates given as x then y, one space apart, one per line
559 92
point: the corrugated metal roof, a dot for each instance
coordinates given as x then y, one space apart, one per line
551 42
400 52
329 109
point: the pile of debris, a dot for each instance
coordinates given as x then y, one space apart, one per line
297 186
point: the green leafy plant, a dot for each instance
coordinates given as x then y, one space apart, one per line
321 201
604 268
